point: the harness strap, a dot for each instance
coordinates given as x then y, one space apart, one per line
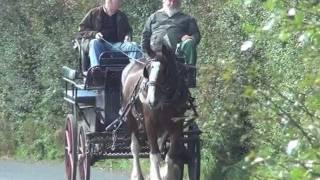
151 83
121 119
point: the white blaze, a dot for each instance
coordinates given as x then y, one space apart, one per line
155 68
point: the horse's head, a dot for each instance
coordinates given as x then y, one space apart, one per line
161 76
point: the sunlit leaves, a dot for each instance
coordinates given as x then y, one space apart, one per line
270 4
292 146
246 45
249 28
284 35
298 173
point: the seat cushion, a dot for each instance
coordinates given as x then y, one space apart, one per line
84 96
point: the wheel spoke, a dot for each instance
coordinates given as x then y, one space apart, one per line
68 141
71 160
70 148
84 170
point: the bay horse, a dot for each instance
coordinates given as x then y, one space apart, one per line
162 97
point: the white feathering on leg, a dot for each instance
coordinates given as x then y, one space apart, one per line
135 149
171 171
155 167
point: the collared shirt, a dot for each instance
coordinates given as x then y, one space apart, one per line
171 26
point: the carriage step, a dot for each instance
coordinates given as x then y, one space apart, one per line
124 155
117 156
86 107
105 134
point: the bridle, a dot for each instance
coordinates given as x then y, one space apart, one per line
165 87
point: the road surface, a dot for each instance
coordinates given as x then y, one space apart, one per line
18 170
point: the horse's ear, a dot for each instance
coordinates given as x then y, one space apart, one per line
145 72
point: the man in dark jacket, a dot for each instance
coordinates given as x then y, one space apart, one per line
180 31
108 29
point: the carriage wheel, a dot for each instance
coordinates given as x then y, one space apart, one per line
71 147
84 158
194 163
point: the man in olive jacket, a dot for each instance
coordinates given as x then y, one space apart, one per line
107 22
180 31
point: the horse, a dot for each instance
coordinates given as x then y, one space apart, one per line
161 98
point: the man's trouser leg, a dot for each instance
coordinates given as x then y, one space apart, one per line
130 48
188 48
96 48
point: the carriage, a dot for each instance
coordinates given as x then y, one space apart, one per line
94 129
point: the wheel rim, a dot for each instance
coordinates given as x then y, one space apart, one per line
68 149
84 167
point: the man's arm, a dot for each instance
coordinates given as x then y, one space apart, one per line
194 31
146 36
86 28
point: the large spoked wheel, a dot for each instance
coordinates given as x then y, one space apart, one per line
71 147
84 158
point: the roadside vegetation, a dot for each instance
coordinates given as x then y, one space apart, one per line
258 89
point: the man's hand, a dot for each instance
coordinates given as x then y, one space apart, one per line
186 37
99 35
127 38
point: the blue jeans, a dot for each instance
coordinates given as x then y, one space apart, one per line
97 47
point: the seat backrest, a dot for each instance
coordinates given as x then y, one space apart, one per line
111 59
190 72
191 76
81 45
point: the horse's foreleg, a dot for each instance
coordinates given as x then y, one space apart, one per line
135 149
155 166
136 173
172 170
155 157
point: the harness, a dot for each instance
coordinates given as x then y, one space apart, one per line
170 97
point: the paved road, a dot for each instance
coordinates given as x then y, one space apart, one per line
15 170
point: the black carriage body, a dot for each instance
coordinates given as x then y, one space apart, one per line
94 108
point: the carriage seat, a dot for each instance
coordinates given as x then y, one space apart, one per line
81 45
111 64
75 90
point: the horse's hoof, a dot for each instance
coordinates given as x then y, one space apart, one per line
136 177
148 177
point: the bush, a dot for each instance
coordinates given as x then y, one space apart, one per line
258 93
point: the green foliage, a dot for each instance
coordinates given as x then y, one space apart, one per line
255 102
258 82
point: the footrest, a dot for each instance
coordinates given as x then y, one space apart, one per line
83 96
